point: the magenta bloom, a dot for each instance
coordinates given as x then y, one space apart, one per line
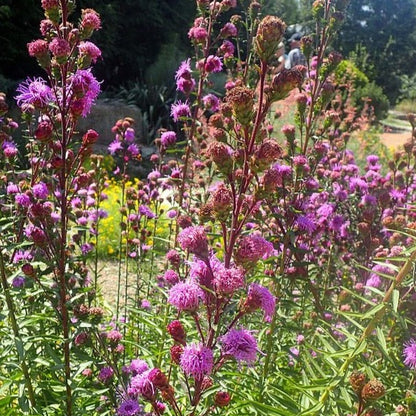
409 353
129 408
240 344
195 240
141 384
253 248
213 64
227 281
106 374
86 88
137 367
259 297
34 92
168 138
211 102
185 296
40 190
197 360
228 30
90 50
179 110
184 70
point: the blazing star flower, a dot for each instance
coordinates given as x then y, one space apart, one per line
253 248
34 92
197 360
211 102
137 367
227 280
227 48
140 384
259 297
168 138
185 296
240 344
179 110
409 353
40 190
89 50
195 240
115 146
106 374
129 408
305 224
184 70
213 64
86 88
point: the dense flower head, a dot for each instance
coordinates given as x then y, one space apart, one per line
197 360
213 64
141 384
59 47
90 20
228 30
105 374
409 354
89 50
137 367
168 138
86 88
211 102
185 296
227 280
129 407
240 344
259 297
38 48
179 110
40 190
34 92
253 248
227 49
195 240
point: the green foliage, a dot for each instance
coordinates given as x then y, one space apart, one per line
408 88
347 71
377 99
386 29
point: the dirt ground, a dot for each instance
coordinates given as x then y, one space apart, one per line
394 140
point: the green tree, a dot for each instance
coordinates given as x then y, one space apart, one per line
19 24
386 31
287 10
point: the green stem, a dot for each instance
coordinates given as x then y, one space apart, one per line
15 328
404 271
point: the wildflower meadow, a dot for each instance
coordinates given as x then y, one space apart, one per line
259 270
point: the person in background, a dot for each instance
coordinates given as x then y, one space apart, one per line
295 56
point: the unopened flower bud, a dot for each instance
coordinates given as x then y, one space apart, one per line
269 34
241 100
177 332
175 353
222 398
358 381
373 390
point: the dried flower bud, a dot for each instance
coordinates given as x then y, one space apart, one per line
222 398
269 35
241 100
373 390
358 381
175 353
285 81
267 153
177 332
158 378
